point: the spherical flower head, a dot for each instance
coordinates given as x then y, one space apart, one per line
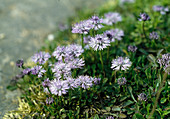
164 60
96 22
99 42
121 63
161 9
38 70
60 52
144 17
118 34
20 63
121 81
61 70
41 57
76 63
46 82
58 87
154 36
96 81
132 48
85 82
142 97
110 35
26 71
112 18
110 117
49 100
72 83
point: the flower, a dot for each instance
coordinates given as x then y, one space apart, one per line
110 117
50 37
26 71
118 34
38 70
49 100
144 17
72 83
96 22
19 63
154 35
121 63
84 81
41 57
132 48
58 87
61 70
99 42
167 69
46 82
160 9
112 18
110 35
121 81
96 80
142 97
60 52
76 63
63 27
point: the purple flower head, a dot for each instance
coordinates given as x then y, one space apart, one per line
85 82
49 100
112 18
165 60
96 80
26 71
121 63
142 97
72 83
87 39
99 42
161 9
19 63
38 70
61 70
76 63
41 57
154 35
118 34
58 87
110 117
60 52
96 22
110 35
144 17
121 81
132 48
46 82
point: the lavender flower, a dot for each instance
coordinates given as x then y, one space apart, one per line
63 27
112 18
160 9
96 80
142 97
154 35
19 63
110 35
61 70
60 52
99 42
144 17
41 57
26 71
76 63
132 48
38 70
85 82
118 34
72 83
165 62
121 81
96 22
121 63
49 100
58 87
86 39
110 117
46 82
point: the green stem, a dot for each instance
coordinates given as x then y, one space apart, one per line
158 95
143 28
101 59
82 41
107 53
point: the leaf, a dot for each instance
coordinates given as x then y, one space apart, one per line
130 91
116 108
163 100
129 102
121 115
159 52
143 51
108 109
151 58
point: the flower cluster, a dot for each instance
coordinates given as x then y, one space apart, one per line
19 63
112 18
154 35
165 62
142 97
132 48
121 63
110 117
49 100
41 57
121 81
83 27
161 9
144 17
38 70
99 42
114 34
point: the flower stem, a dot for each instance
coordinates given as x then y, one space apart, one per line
107 53
101 59
158 95
143 28
82 41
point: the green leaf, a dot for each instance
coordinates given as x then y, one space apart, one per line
121 115
116 108
163 100
130 91
129 102
159 52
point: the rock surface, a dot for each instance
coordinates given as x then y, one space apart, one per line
23 26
